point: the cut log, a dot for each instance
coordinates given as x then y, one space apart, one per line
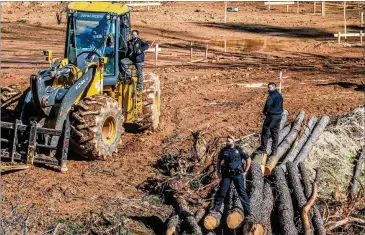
317 217
301 141
282 134
262 226
199 214
355 179
172 225
256 185
253 229
321 125
4 168
213 218
285 205
266 207
285 145
185 213
296 186
284 118
235 213
305 217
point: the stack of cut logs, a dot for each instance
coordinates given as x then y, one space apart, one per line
282 196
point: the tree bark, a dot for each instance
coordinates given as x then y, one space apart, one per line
285 145
317 217
305 218
321 125
355 179
172 225
284 118
298 146
184 212
213 218
294 182
285 205
199 214
266 207
235 213
256 185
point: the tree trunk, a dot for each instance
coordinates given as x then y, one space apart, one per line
305 217
285 145
298 146
172 225
199 214
262 226
296 186
235 213
284 118
355 179
213 218
266 207
184 212
321 125
317 217
282 134
285 205
256 186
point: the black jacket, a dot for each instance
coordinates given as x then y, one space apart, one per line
232 157
274 104
136 48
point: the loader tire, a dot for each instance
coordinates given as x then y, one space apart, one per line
96 127
151 103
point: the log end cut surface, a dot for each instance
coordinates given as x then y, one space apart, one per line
234 219
210 222
267 170
171 231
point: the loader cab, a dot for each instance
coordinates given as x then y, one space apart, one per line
92 34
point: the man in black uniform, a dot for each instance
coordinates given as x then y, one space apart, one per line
135 54
232 170
272 110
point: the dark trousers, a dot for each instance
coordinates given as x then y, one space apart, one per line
271 126
125 63
240 187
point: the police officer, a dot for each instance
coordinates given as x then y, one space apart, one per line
135 54
232 170
272 110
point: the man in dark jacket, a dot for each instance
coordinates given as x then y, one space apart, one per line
135 54
272 110
232 171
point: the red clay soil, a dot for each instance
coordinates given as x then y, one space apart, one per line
321 77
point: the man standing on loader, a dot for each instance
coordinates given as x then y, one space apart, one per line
135 54
272 110
232 170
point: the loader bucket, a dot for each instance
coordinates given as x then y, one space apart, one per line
33 144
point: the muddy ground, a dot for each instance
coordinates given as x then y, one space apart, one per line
321 77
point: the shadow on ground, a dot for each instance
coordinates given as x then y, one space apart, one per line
356 87
272 30
152 222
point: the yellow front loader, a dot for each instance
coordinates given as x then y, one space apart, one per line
82 101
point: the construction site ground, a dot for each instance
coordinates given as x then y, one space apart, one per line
222 95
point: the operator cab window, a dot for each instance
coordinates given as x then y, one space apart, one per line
94 34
